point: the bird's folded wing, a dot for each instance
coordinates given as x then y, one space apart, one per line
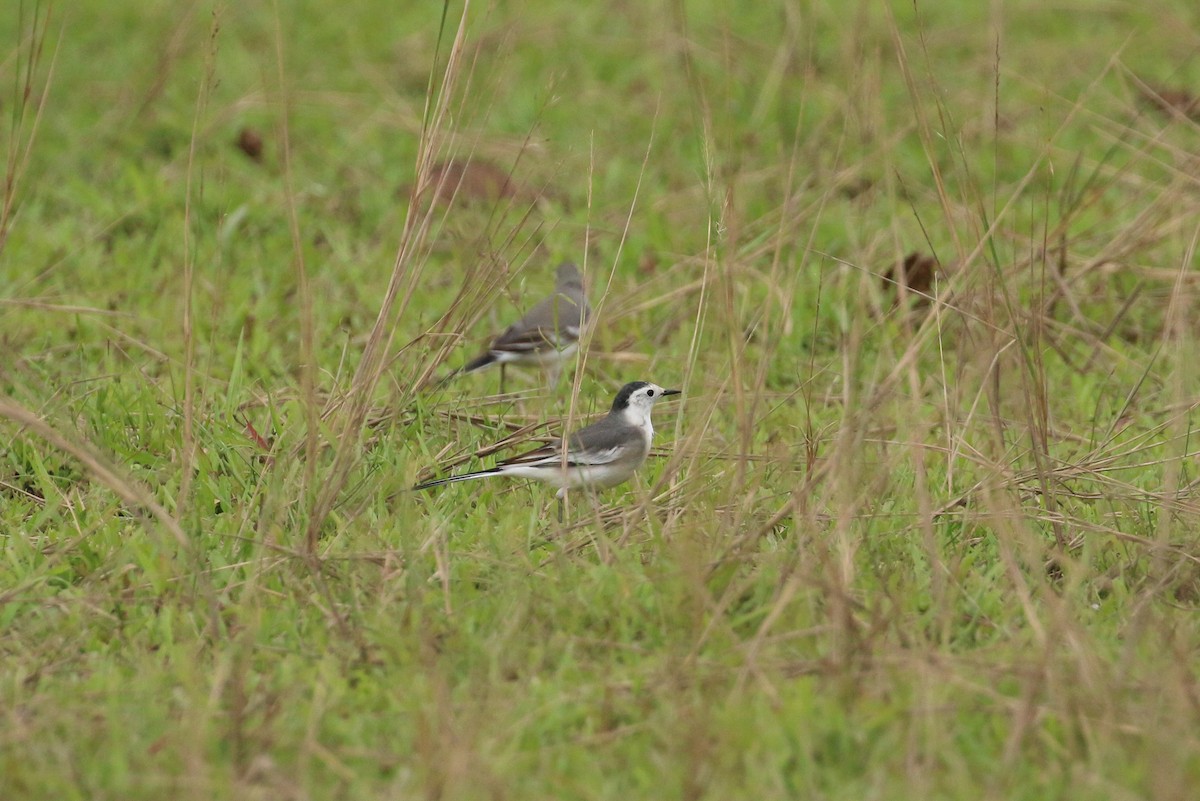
552 456
555 321
521 340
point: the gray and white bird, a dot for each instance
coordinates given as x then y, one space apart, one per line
545 337
601 455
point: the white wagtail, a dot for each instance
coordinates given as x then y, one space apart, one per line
601 455
545 337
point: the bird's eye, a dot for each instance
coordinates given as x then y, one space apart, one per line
649 393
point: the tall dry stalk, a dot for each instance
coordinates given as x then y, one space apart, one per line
405 279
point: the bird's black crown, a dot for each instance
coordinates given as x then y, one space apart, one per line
622 399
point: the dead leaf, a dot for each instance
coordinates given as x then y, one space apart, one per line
474 181
648 263
1174 101
250 142
916 272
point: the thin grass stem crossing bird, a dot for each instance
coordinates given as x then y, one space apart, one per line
545 337
603 454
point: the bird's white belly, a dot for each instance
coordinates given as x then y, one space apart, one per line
600 476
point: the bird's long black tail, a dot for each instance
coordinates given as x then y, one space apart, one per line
478 363
452 479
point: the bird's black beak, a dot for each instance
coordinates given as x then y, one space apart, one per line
667 392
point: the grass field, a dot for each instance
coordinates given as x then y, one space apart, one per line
887 546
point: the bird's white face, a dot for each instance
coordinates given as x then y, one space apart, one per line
637 412
646 397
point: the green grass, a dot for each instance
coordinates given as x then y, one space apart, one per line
882 551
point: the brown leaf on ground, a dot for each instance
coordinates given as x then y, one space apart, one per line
474 181
916 272
252 434
648 262
255 437
1174 100
855 187
250 142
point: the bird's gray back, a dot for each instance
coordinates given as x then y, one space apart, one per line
611 433
561 311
